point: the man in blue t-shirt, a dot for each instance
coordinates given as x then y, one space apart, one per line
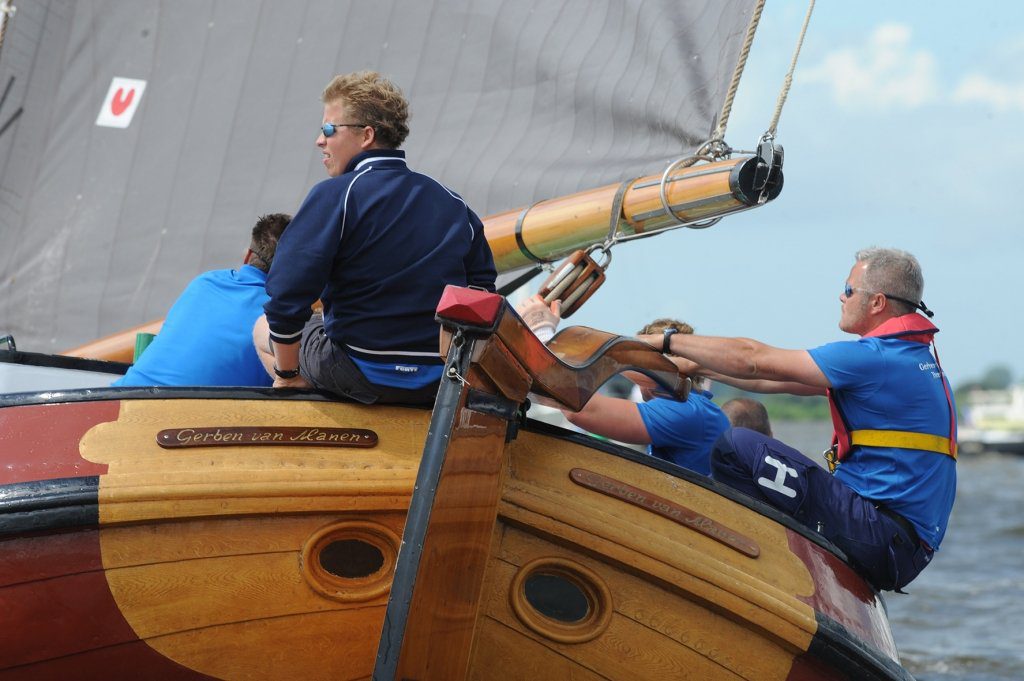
206 338
680 432
888 504
377 243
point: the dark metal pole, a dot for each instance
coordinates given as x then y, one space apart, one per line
434 450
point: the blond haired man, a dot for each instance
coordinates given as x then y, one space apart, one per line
377 243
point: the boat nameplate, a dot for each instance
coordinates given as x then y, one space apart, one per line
233 436
665 508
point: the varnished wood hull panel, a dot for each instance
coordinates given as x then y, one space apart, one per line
122 559
190 564
683 605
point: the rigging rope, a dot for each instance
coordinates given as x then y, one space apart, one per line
716 148
789 76
723 118
716 141
7 11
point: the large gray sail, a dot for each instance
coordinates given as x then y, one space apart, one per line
140 140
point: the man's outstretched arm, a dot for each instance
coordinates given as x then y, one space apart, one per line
611 417
746 359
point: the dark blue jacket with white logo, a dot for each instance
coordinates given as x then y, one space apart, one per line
377 245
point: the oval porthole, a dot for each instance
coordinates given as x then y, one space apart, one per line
561 600
350 561
351 558
556 596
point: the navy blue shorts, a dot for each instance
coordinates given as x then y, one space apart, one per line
761 467
328 367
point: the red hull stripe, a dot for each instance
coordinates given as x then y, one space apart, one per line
41 441
839 592
60 620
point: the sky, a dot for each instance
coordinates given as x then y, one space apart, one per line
902 129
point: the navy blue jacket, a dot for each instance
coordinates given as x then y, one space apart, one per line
377 245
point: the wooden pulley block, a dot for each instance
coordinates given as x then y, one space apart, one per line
576 279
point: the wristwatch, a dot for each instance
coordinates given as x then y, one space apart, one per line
667 343
286 373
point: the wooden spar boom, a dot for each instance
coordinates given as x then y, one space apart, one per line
553 228
117 347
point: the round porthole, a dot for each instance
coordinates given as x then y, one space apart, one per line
350 561
561 599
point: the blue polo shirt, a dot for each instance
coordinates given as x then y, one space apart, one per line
206 339
893 384
684 432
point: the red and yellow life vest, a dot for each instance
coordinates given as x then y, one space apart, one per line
911 327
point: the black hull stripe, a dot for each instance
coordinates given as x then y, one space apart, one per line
839 648
47 505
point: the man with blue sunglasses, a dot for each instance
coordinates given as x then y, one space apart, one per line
887 501
377 243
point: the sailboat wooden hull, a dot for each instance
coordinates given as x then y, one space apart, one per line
240 534
198 560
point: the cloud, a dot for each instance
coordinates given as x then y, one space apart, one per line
978 88
883 74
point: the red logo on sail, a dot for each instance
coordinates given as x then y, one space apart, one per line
122 100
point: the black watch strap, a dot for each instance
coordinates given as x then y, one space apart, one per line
290 373
667 343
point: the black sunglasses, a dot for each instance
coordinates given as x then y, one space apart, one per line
329 129
848 291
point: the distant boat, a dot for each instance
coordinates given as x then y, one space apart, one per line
993 421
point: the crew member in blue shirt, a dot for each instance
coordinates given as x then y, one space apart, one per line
377 243
680 432
888 503
206 338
